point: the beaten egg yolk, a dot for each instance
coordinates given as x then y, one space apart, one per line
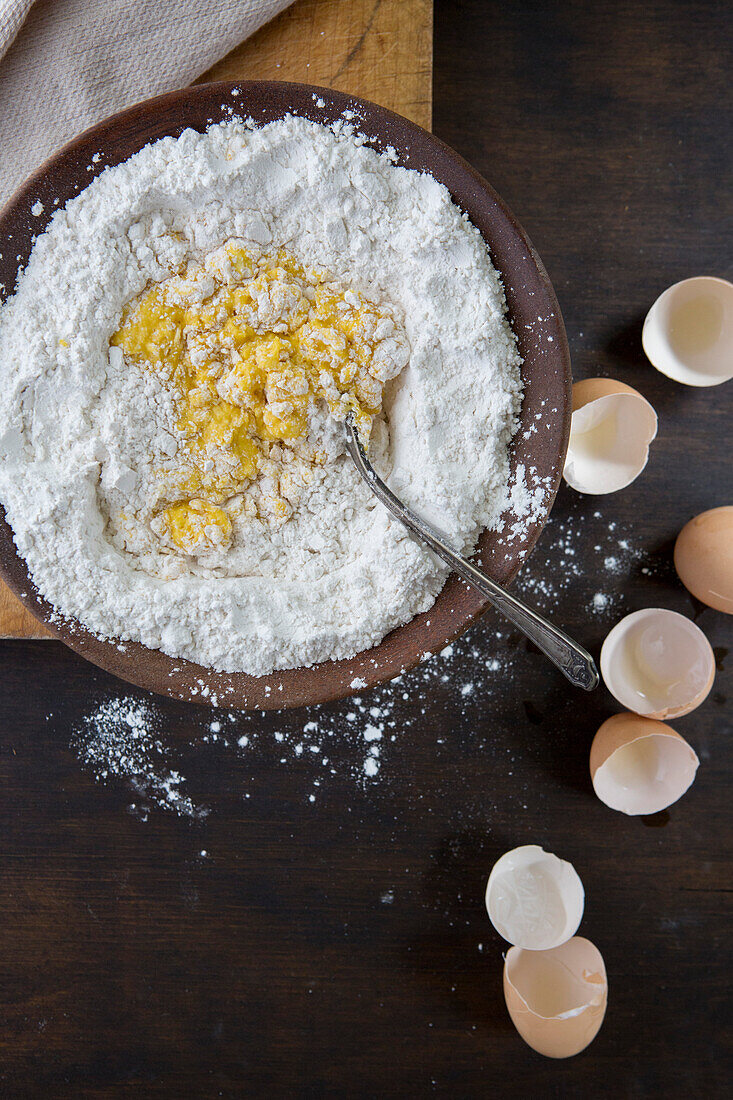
195 525
246 347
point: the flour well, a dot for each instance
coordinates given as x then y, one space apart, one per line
78 426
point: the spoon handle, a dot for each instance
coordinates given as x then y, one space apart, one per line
573 661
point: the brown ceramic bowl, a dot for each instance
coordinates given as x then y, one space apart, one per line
534 313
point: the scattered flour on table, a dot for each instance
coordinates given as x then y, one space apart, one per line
78 424
353 741
581 550
120 740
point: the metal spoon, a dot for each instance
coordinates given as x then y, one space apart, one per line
573 661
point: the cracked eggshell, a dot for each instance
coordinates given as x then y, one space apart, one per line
557 999
703 558
657 663
610 432
534 900
688 332
639 765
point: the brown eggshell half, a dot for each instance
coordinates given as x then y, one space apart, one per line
703 558
612 428
557 998
672 761
590 389
616 675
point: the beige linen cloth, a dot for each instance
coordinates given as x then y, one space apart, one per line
66 64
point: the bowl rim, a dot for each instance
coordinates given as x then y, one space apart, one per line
456 606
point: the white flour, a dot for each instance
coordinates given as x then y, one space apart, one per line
73 426
361 743
119 739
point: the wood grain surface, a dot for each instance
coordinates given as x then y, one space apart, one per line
378 49
280 946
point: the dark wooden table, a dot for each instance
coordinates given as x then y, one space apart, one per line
283 946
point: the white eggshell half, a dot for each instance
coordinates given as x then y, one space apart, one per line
639 765
657 663
534 900
703 558
688 332
556 999
610 432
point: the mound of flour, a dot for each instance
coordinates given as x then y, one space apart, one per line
343 576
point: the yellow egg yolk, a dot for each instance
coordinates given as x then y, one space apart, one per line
197 525
246 346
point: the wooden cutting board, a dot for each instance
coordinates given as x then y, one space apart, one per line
378 49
